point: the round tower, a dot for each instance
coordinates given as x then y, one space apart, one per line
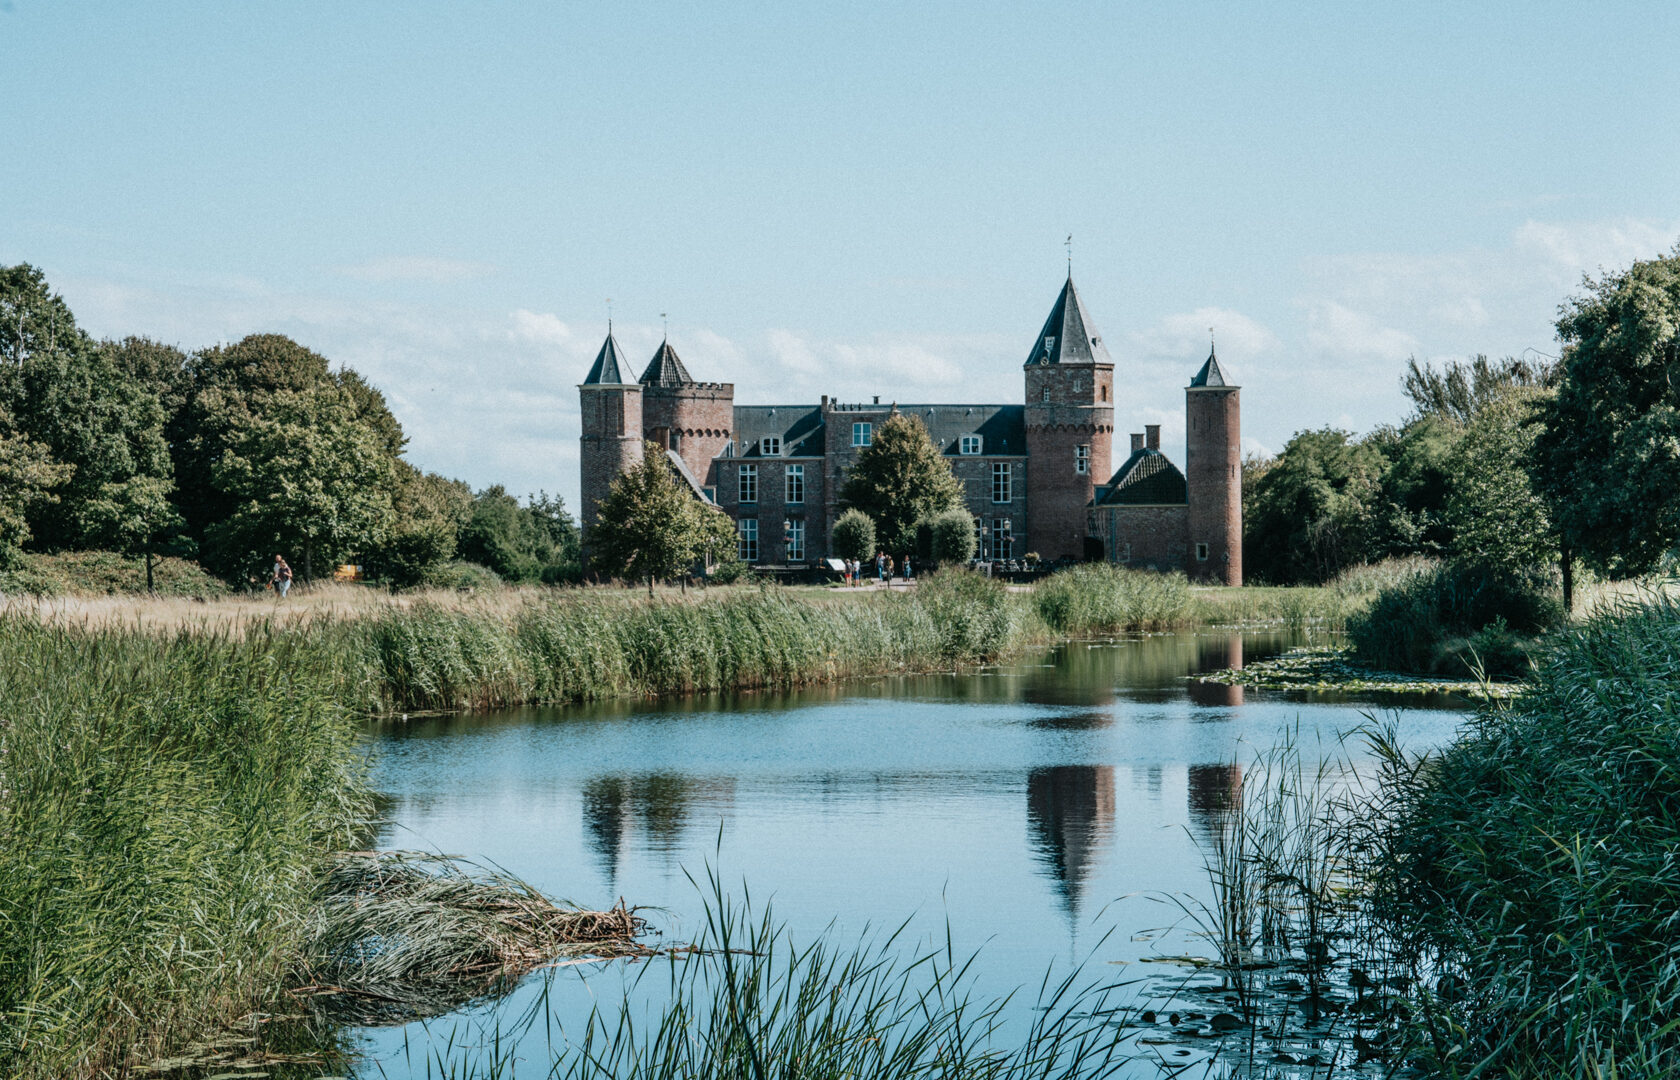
612 432
695 419
1213 469
1069 428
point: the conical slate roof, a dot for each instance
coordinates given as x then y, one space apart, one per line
1069 336
1210 375
607 370
665 369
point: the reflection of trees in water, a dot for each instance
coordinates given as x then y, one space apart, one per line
658 805
1070 811
1215 791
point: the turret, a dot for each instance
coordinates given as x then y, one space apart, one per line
612 431
694 419
1213 468
1070 424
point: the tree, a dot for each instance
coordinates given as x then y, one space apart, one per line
1311 513
900 479
651 527
429 514
535 542
1607 463
951 536
27 477
1497 518
1460 390
853 536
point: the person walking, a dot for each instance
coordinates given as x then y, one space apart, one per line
881 567
282 580
908 573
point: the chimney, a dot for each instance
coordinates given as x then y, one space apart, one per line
877 399
1137 442
825 403
1152 436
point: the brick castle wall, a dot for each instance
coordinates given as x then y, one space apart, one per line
1213 469
611 444
1079 412
1143 537
701 416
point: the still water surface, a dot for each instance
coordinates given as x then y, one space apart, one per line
1036 807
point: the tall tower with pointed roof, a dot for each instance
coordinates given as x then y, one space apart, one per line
693 419
612 430
1213 467
1069 426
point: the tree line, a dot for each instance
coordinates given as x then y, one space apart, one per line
229 455
1514 464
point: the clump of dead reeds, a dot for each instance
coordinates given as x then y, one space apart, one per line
393 936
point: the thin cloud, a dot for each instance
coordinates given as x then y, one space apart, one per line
424 268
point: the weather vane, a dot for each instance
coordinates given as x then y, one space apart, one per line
1068 243
609 314
666 319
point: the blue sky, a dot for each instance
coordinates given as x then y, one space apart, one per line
856 199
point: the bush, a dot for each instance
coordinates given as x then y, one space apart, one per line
729 572
104 573
1440 619
853 536
461 575
951 537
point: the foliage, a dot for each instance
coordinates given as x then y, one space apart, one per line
164 803
951 537
1433 621
28 476
1608 461
103 573
1460 391
1529 867
462 575
430 513
534 542
853 536
1496 517
1310 514
900 479
650 527
1097 597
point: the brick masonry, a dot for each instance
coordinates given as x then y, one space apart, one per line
1213 468
1068 406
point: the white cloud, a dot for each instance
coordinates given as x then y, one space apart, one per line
542 328
1338 330
428 268
1184 336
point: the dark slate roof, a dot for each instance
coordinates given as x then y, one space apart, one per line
1210 375
1002 428
800 427
665 369
1147 478
1069 336
607 369
677 464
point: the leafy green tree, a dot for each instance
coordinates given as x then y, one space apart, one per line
429 514
1409 510
1497 517
1458 391
275 452
652 527
33 318
900 479
534 542
1310 514
951 536
853 536
28 476
1608 460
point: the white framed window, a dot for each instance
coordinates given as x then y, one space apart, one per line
979 541
748 490
969 445
747 531
1201 552
1082 459
796 541
1044 395
863 434
794 483
1002 537
1002 482
770 445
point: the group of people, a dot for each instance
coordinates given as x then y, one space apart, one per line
885 569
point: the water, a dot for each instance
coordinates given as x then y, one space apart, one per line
1036 807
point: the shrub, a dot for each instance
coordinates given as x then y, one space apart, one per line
853 536
102 573
461 575
1430 621
951 537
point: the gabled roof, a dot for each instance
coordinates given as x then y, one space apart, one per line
1069 336
1148 479
1210 375
608 371
665 369
680 467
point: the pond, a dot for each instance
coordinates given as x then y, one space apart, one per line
1033 808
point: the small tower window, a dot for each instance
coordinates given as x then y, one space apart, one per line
1044 395
1201 553
676 441
1105 391
1078 385
1082 459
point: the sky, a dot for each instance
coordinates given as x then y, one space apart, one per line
850 199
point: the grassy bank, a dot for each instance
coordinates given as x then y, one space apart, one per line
165 807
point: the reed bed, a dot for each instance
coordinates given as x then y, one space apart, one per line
165 804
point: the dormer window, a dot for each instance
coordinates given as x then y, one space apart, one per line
770 445
969 446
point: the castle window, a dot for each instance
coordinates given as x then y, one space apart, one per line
1001 482
1082 459
1078 385
796 541
795 483
770 445
1003 538
1044 395
863 434
1201 552
970 445
676 441
979 541
746 531
748 491
1105 393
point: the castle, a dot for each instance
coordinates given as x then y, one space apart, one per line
1031 471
